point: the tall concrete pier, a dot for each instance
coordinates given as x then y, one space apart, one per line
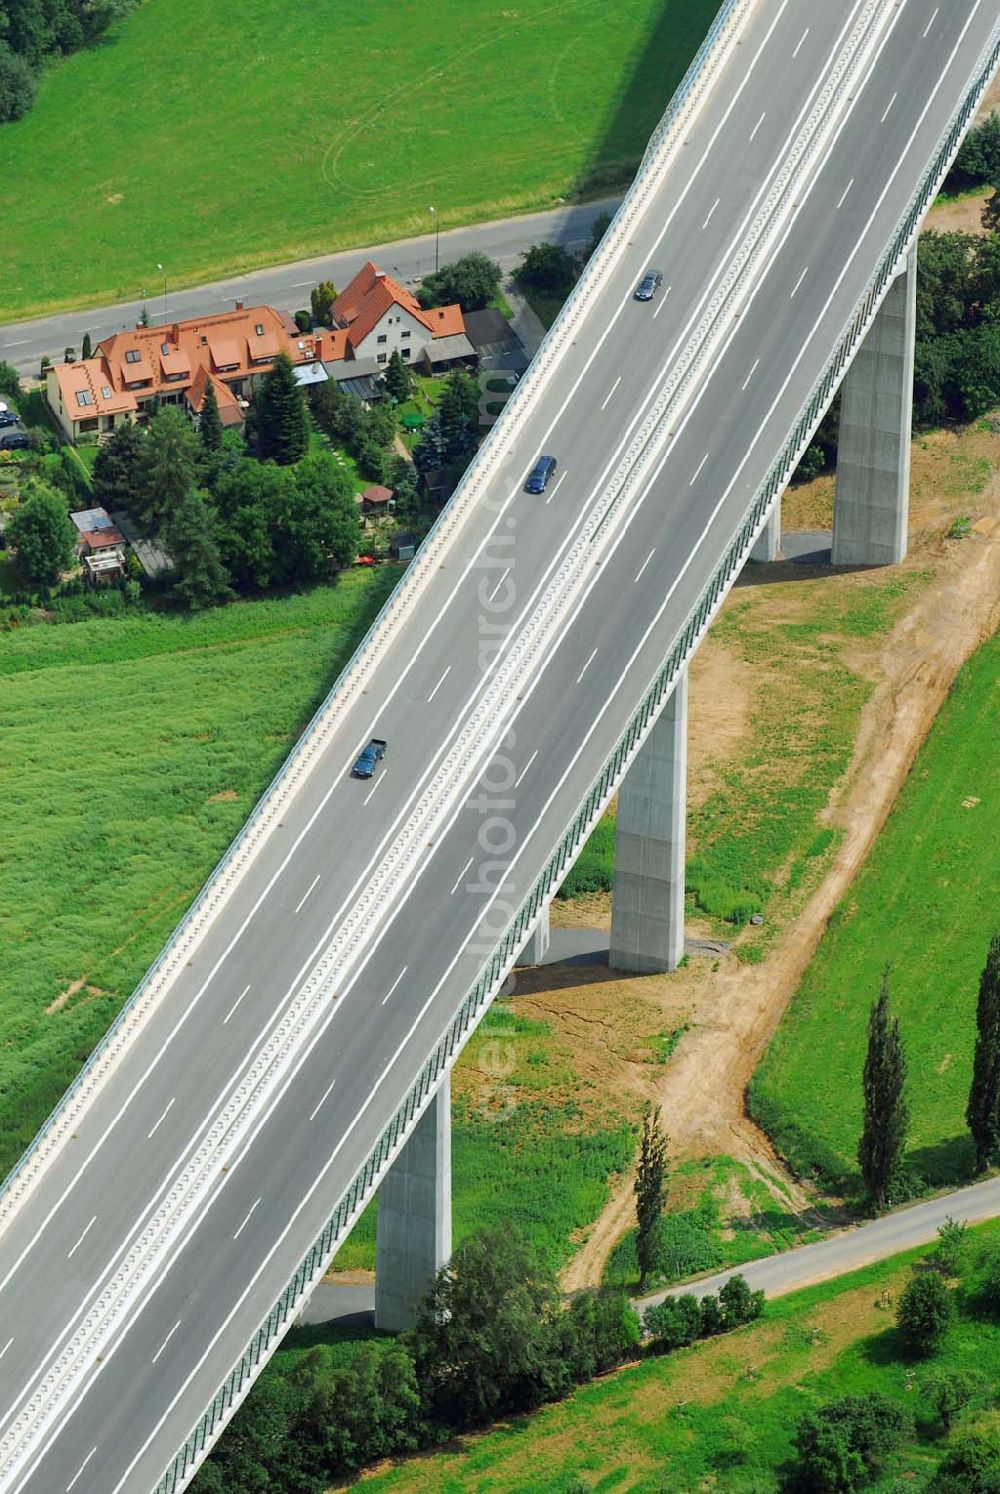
413 1239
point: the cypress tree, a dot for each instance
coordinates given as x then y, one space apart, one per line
86 350
886 1112
280 418
983 1110
210 423
650 1190
397 378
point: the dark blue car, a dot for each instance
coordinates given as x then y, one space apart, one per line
540 475
369 758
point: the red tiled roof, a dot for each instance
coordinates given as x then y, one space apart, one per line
362 304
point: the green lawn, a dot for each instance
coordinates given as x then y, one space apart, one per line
215 137
722 1415
926 902
133 751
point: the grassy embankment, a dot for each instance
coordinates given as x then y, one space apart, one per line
926 904
133 751
722 1414
436 112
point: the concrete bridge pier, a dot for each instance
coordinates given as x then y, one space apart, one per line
539 940
647 909
413 1234
872 503
768 543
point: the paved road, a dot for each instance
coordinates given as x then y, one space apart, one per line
854 1248
287 287
405 964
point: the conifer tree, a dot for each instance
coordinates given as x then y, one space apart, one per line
210 423
87 350
397 378
279 415
650 1190
886 1112
983 1110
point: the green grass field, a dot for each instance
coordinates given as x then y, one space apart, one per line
534 1151
133 751
211 137
926 902
722 1415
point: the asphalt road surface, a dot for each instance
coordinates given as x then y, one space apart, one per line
411 963
807 1264
287 287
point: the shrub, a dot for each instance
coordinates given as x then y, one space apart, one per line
712 1320
972 1466
949 1253
924 1313
739 1304
673 1323
842 1445
303 321
17 85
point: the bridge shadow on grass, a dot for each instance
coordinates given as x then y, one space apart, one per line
658 65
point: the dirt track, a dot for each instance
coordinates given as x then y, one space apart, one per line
735 1008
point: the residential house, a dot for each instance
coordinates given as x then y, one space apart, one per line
101 547
132 373
375 316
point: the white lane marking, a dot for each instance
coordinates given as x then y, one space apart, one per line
166 1341
247 1219
763 47
23 340
700 469
302 901
297 285
843 195
461 874
663 302
756 128
170 1106
395 983
750 374
374 786
82 1238
524 770
439 684
638 574
802 38
711 211
326 1096
888 108
6 1347
559 482
235 1005
608 396
583 671
798 284
930 23
499 584
678 203
80 1469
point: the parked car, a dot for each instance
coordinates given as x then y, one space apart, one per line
7 417
14 441
365 560
649 285
370 758
541 475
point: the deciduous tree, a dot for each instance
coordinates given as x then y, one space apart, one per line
192 539
41 536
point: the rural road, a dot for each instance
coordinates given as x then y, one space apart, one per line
853 1248
287 286
776 1274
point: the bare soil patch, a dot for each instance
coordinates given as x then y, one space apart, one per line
733 1008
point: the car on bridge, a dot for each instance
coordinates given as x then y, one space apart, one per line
540 475
649 285
369 759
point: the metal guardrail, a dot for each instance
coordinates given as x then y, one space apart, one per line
273 802
316 1260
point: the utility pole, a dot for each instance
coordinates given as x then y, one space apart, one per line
437 240
164 274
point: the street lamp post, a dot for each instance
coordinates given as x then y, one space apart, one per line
164 274
437 240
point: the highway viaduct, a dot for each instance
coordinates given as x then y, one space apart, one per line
288 1054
